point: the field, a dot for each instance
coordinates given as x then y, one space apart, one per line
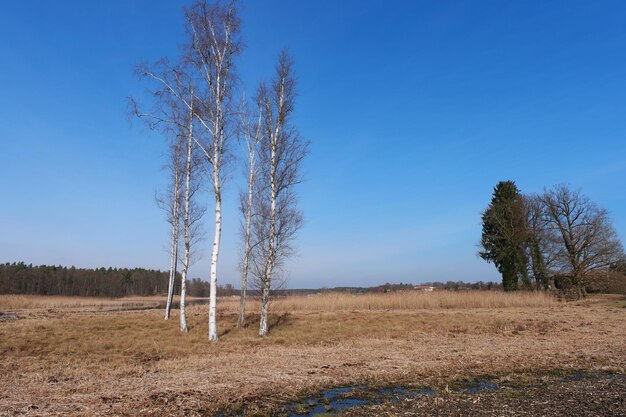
65 356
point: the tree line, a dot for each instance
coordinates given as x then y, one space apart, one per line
197 104
558 239
20 278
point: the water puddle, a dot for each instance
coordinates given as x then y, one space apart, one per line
335 400
474 387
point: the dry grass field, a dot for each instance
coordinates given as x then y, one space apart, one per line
64 356
21 303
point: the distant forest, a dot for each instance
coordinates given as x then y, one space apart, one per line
22 278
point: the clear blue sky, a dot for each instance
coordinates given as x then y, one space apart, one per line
415 109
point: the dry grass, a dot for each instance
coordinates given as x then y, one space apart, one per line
415 300
330 301
12 303
135 363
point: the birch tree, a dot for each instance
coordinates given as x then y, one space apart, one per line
277 218
170 203
250 137
209 59
167 115
214 43
192 211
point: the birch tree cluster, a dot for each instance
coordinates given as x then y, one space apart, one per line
194 103
558 239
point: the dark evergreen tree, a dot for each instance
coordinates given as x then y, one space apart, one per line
504 235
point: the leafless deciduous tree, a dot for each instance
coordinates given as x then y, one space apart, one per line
192 211
168 115
588 240
250 137
542 241
174 110
282 150
213 44
170 203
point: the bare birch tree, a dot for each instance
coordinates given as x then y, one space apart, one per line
167 115
213 31
192 211
214 43
282 150
250 136
172 114
170 203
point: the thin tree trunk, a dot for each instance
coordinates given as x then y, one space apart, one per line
173 248
214 255
246 252
269 266
186 231
183 298
265 303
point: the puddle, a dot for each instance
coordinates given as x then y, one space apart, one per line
577 376
338 399
474 387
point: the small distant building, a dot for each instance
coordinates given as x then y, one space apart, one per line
425 288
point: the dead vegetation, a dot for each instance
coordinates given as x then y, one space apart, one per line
135 363
14 303
415 300
594 395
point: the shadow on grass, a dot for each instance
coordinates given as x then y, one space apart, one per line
275 321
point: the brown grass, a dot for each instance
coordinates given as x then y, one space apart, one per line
135 363
11 303
330 301
415 300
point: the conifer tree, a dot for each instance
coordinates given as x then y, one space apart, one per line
504 235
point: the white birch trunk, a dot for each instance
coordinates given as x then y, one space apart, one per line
183 298
216 240
246 251
269 265
265 304
214 256
218 137
186 231
170 288
173 246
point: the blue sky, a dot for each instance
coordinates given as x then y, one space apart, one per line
414 110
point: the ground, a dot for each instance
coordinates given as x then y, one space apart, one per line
592 395
89 359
